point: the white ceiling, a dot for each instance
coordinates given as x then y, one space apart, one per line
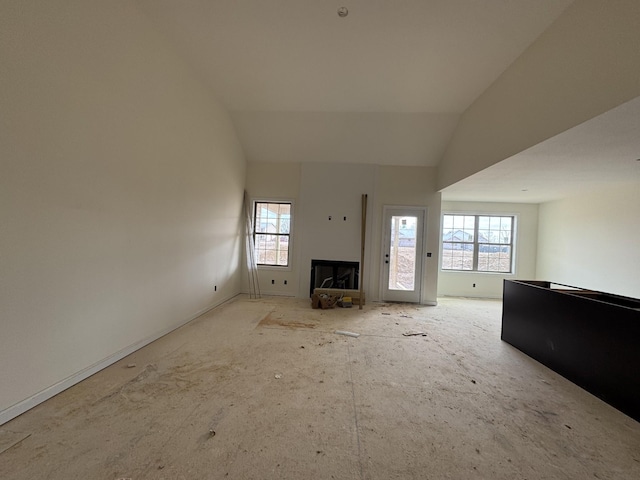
432 56
601 152
386 85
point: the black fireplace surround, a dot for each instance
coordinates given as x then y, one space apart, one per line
334 274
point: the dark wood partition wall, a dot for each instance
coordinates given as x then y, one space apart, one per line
591 338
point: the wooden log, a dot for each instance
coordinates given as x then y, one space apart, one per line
363 234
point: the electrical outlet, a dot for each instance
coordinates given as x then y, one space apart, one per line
285 282
215 288
273 282
474 285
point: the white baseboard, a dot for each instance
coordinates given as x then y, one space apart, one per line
472 297
30 402
272 293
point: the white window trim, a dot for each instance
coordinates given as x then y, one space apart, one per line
277 268
514 243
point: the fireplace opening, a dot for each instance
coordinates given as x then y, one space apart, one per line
334 274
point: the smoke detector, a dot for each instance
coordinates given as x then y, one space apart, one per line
343 12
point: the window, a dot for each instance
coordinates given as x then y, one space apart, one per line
480 243
272 232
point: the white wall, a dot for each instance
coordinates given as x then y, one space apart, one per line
323 190
333 190
490 285
584 64
410 186
120 193
277 181
345 137
592 241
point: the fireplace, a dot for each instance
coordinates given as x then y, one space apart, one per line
334 274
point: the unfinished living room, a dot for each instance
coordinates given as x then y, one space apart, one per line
300 239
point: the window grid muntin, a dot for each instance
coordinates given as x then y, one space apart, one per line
278 216
481 245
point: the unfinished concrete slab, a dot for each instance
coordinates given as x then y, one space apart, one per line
266 389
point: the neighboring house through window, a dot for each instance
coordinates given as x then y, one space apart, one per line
481 243
272 233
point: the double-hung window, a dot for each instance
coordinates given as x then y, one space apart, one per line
481 243
272 233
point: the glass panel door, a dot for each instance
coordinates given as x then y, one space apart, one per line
403 245
402 253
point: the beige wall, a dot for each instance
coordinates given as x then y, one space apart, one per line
490 285
591 241
120 193
585 64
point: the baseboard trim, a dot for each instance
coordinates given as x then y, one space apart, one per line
271 293
472 297
27 404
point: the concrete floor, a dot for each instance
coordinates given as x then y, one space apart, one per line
289 399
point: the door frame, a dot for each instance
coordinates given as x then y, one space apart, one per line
422 248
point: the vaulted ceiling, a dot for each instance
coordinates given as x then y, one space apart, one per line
432 56
385 84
